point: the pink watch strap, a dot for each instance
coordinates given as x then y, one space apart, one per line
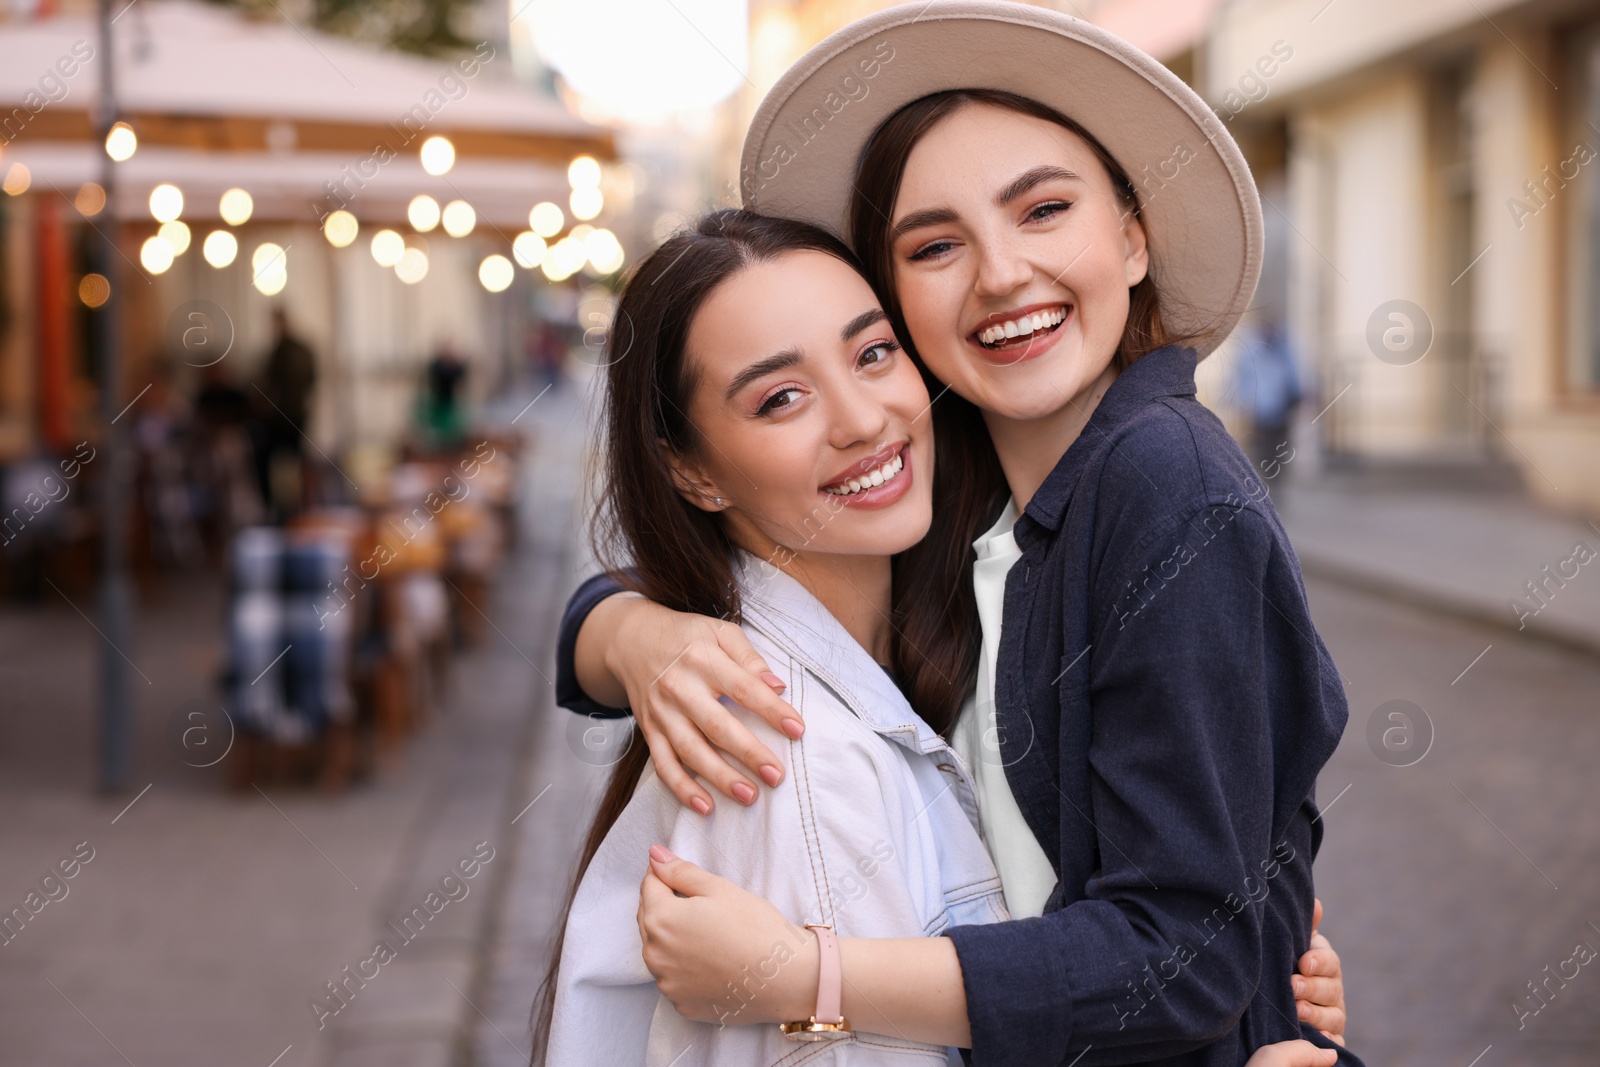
830 977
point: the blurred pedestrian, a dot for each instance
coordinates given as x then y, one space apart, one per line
287 384
443 414
547 352
1266 383
224 443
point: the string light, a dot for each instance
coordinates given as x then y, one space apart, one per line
496 273
220 248
121 142
236 207
438 155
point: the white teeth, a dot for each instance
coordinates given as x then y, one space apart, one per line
1022 326
870 480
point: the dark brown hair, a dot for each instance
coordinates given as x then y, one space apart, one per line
935 606
651 539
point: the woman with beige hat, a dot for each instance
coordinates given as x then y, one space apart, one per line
1059 229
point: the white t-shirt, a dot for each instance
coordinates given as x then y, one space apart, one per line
1025 871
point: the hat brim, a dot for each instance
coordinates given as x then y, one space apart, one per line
1198 200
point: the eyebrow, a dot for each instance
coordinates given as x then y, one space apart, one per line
861 322
936 216
789 357
1028 180
1018 186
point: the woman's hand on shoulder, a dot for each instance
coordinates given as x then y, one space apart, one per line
1319 985
675 668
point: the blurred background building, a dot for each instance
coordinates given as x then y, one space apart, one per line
362 261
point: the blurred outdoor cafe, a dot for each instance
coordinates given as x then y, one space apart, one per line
253 309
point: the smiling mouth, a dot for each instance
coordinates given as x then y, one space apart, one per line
1017 332
882 474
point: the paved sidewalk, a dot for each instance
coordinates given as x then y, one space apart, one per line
205 924
1475 553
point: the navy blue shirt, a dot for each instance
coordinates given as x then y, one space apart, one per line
1164 707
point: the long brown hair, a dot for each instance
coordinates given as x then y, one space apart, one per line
651 539
935 607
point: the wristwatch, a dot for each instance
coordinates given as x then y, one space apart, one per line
827 1022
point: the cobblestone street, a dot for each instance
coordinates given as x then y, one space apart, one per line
1453 882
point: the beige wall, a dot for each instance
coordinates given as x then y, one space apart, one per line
1358 194
1364 191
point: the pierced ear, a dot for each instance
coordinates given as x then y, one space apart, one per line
693 485
1136 258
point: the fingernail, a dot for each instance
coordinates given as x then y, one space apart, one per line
1305 1010
744 793
773 680
1298 984
770 774
794 728
699 804
661 855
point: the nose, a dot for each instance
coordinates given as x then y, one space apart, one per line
1002 269
859 415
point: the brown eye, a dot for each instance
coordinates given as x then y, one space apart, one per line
883 349
776 400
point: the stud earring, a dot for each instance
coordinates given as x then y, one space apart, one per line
718 501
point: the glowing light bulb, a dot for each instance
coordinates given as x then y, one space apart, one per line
438 155
496 273
583 173
166 202
220 248
546 219
270 265
121 142
413 266
387 248
459 218
236 207
156 254
341 229
423 211
528 249
177 235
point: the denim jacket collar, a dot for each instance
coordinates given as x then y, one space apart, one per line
783 609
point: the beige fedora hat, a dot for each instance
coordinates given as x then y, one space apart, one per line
1198 200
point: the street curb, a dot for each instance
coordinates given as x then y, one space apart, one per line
1465 608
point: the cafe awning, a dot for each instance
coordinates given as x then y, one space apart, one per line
220 98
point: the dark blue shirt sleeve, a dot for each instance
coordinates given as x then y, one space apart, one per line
1162 952
570 694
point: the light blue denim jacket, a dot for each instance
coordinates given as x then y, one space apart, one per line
873 830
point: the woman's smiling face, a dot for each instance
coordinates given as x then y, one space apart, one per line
1013 257
809 416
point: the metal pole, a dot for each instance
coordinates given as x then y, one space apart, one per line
105 342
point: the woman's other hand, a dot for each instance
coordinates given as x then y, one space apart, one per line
1292 1054
1319 986
690 939
675 667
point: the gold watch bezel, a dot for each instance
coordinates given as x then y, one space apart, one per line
811 1030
